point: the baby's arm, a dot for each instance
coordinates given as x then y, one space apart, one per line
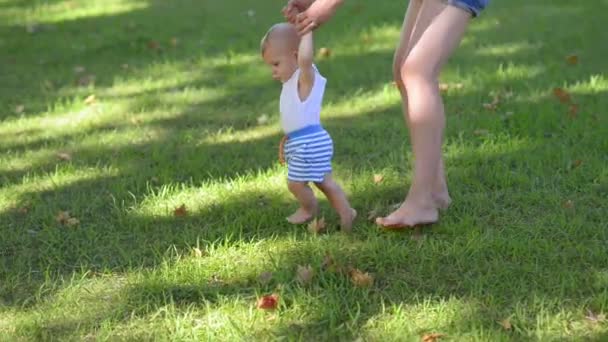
305 60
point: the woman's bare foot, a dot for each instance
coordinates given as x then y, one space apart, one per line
410 214
346 223
301 216
442 199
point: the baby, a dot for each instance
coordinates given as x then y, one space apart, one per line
308 148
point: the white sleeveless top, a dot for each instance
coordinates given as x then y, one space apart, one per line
296 114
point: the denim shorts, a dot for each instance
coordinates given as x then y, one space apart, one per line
472 6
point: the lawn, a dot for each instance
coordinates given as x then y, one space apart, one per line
141 197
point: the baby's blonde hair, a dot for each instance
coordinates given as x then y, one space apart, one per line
284 34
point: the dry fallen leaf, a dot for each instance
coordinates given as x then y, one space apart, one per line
506 324
62 217
568 204
432 337
269 302
72 221
265 278
328 262
317 226
262 119
573 111
90 99
366 39
304 274
324 52
197 252
64 156
576 163
594 317
378 178
154 45
86 80
180 211
572 59
361 279
561 95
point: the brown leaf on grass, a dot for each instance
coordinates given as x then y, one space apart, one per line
572 59
23 210
561 95
269 302
64 156
595 317
506 324
154 45
432 337
63 217
304 274
262 119
86 80
378 178
568 204
180 211
576 163
494 104
325 52
197 253
265 277
90 99
327 263
317 225
72 221
366 39
361 279
573 111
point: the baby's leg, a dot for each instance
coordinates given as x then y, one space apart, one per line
307 200
337 199
434 44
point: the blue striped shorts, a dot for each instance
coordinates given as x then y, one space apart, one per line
308 152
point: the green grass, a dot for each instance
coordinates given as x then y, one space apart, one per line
179 88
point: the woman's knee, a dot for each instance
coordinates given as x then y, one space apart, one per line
415 69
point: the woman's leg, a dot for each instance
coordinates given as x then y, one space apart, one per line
438 31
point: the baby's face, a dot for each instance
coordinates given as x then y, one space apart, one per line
283 65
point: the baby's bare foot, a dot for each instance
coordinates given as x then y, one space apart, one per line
300 216
346 222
